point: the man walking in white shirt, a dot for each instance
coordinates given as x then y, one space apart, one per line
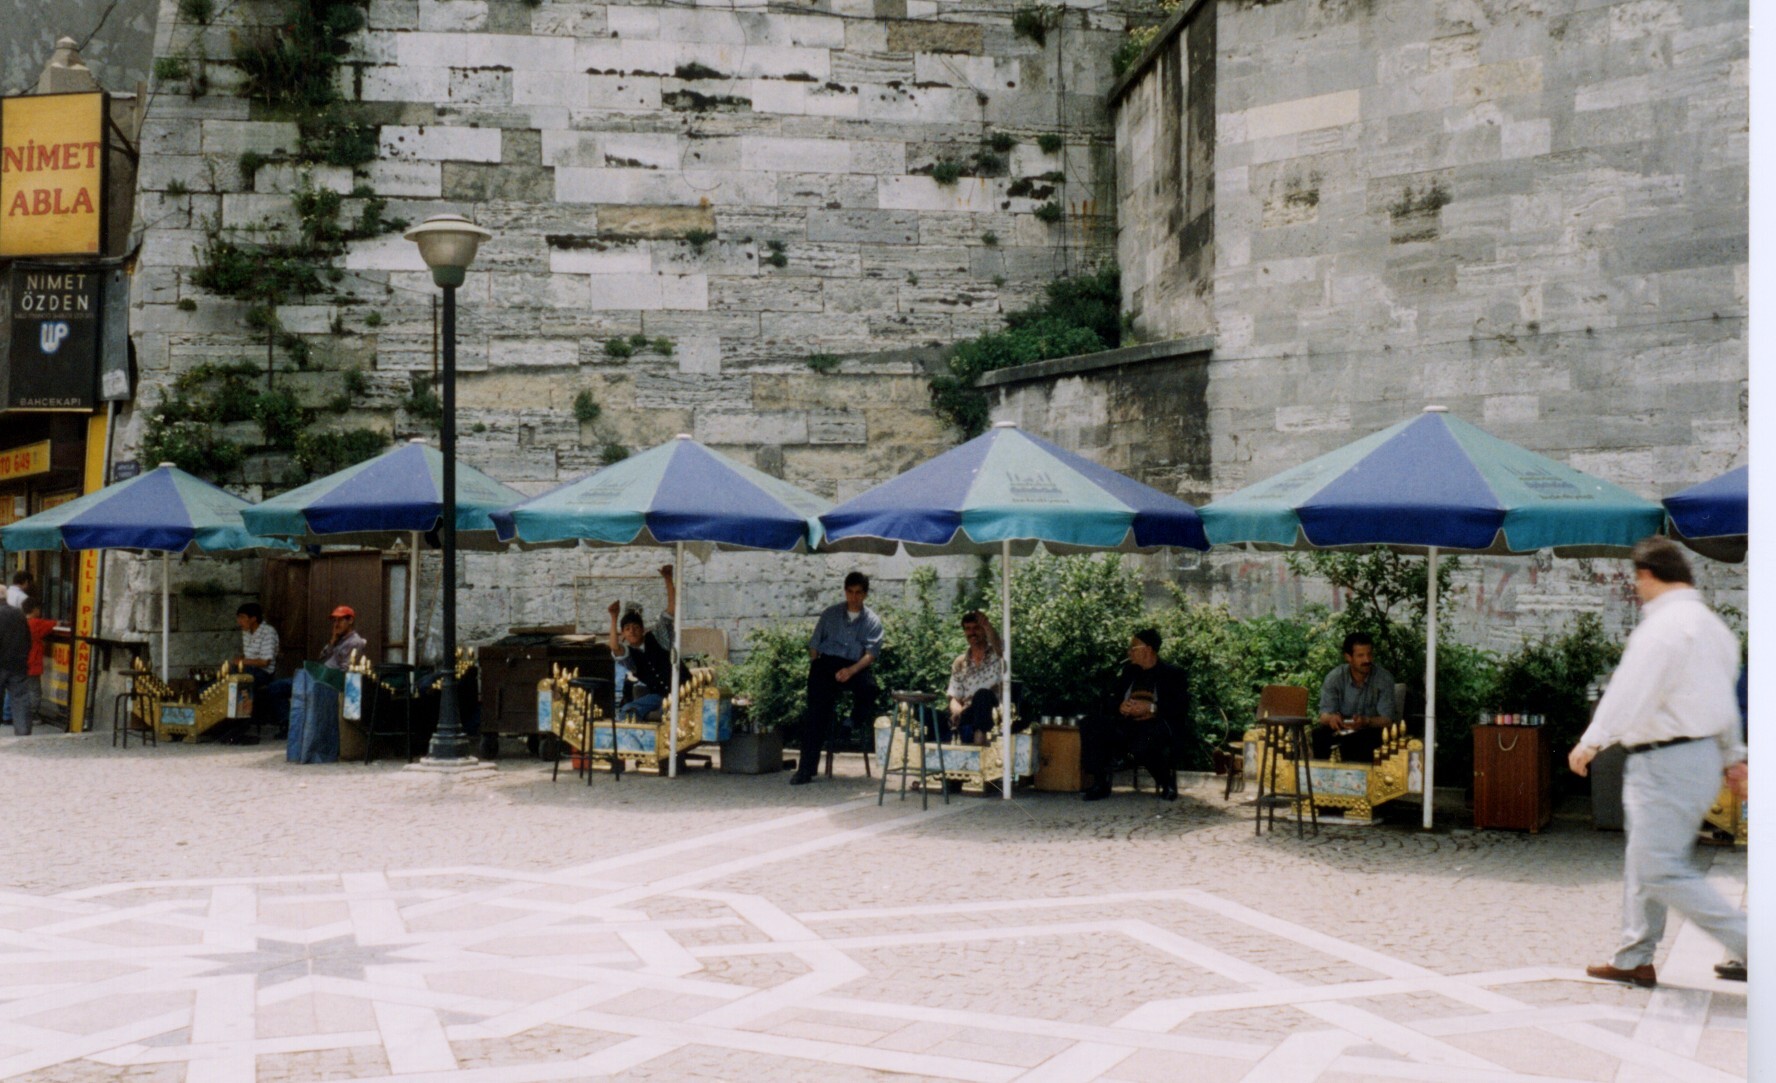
1672 704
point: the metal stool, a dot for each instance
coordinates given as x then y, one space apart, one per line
918 714
589 685
1285 739
126 703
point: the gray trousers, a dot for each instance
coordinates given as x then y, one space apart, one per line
21 691
1665 794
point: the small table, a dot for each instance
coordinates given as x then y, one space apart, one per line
918 713
1285 738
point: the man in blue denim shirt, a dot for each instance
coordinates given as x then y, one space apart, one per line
846 642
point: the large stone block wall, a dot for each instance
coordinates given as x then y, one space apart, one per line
1165 179
1534 214
604 144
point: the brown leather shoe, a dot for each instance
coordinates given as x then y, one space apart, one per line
1642 975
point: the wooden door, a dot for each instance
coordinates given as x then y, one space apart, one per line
284 594
299 595
353 579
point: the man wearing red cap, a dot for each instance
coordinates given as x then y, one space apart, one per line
346 643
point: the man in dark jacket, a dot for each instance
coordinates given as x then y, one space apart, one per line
15 654
1147 716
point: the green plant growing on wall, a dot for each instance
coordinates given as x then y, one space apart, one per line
295 63
197 11
663 346
945 171
422 399
777 256
613 452
823 362
697 238
1050 212
586 409
250 163
990 239
372 318
187 304
1077 315
1034 21
171 69
1002 142
321 451
619 349
1051 142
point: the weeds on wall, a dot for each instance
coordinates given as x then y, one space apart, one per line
1077 315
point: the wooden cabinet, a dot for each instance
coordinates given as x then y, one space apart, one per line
1513 778
1058 765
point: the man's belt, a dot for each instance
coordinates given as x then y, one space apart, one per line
1650 745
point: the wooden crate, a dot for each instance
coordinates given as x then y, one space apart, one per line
1058 769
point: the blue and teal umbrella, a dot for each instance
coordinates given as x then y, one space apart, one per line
1003 492
397 494
165 510
677 494
1714 517
1431 483
1434 481
1009 488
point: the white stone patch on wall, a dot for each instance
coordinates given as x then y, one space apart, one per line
391 253
533 353
645 292
516 51
440 143
647 186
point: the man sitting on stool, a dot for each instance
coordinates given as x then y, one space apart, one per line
257 659
647 654
846 640
1148 712
1356 701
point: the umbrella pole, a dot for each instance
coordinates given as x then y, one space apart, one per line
1005 646
678 557
166 614
1430 742
413 600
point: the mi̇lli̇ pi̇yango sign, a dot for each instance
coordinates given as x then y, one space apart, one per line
52 173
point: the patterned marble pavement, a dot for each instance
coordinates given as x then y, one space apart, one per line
641 965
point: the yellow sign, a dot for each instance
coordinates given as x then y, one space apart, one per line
86 597
52 174
22 462
56 500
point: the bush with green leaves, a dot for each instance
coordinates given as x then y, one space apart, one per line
320 452
1550 675
585 407
773 676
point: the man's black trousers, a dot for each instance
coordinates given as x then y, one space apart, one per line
1357 746
823 694
1107 738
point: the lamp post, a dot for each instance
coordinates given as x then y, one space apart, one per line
447 243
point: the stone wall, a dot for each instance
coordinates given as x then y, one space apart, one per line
1535 215
751 184
1165 178
116 39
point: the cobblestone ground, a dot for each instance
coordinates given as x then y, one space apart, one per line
215 915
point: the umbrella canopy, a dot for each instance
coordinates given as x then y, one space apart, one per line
164 510
1431 483
677 492
1434 480
1713 517
398 493
1003 492
1008 487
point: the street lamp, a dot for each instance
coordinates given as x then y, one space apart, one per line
447 243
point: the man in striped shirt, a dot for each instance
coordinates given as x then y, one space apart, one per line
258 660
